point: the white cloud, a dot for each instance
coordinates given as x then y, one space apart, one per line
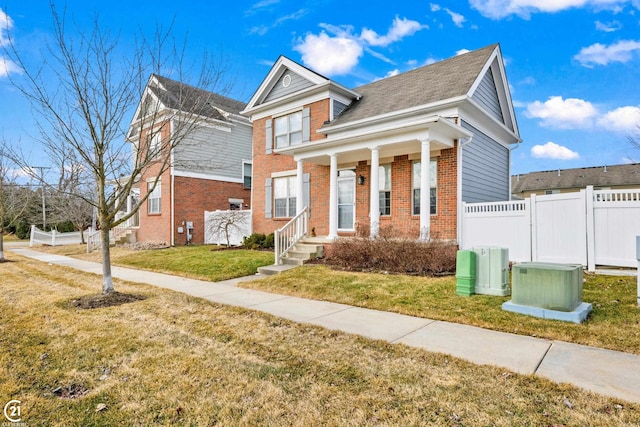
623 119
400 28
551 150
6 23
570 113
330 55
608 27
462 52
337 50
498 9
599 54
434 7
457 18
7 66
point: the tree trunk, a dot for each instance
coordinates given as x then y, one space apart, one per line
107 280
1 245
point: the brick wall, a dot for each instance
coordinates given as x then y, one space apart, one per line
156 227
264 164
193 196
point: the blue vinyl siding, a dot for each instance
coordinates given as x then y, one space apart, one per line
298 83
213 151
485 169
487 96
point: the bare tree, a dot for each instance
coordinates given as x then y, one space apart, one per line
97 87
226 224
14 200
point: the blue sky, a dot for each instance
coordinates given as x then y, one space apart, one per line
573 65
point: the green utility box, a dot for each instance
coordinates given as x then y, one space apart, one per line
465 272
547 285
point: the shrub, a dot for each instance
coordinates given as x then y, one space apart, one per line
393 256
258 241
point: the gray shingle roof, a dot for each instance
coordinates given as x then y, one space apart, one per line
432 83
616 175
181 96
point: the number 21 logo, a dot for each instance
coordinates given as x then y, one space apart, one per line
12 411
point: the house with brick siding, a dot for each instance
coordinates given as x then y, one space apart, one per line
397 155
209 169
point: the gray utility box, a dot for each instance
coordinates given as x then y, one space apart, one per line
492 271
546 285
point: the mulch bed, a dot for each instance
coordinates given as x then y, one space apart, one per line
104 300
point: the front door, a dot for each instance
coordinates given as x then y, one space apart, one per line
346 199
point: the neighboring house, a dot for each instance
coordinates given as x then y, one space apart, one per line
209 170
359 159
616 177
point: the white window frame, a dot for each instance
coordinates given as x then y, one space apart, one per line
154 201
384 186
415 185
289 198
283 132
155 145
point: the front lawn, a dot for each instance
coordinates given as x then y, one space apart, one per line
613 324
171 359
205 262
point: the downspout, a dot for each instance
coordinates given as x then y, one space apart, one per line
511 149
461 145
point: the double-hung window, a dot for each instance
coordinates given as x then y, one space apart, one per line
246 174
154 199
433 172
284 197
384 182
288 130
154 146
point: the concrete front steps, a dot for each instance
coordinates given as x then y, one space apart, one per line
305 250
129 236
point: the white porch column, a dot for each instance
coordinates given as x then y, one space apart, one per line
333 197
425 191
299 187
374 198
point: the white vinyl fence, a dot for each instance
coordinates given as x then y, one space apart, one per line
53 238
592 227
219 224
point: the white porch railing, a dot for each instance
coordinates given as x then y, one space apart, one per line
286 237
94 240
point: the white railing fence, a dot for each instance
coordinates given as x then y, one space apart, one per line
54 238
590 227
94 239
220 225
286 237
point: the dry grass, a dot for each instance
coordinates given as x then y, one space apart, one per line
173 359
613 324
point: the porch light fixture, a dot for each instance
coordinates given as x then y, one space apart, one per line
360 179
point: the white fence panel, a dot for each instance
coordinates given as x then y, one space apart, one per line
218 223
559 228
503 224
53 238
616 216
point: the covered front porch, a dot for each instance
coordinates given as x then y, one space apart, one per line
354 167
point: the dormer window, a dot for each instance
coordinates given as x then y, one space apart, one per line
288 130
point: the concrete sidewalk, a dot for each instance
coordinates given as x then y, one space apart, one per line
606 372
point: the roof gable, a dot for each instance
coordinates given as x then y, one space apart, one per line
431 84
491 92
272 86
